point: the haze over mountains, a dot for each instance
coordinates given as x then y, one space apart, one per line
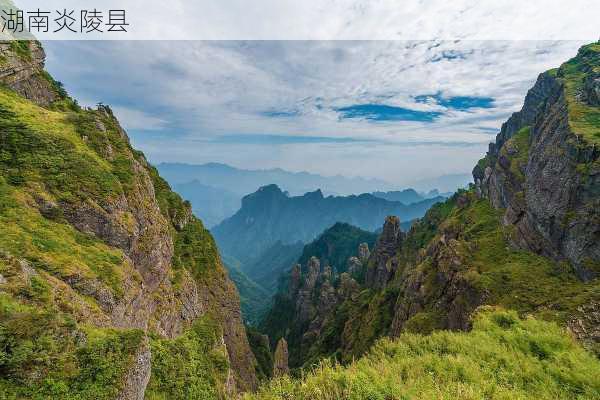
216 190
270 215
243 181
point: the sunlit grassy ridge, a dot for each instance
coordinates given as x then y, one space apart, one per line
584 119
503 357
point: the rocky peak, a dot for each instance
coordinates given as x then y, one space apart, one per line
543 169
354 265
312 274
379 270
363 252
295 279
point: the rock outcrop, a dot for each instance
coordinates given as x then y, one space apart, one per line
548 188
381 266
280 359
22 69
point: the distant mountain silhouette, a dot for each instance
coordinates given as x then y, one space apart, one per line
270 215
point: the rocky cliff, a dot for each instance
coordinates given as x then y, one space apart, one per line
543 170
524 237
93 236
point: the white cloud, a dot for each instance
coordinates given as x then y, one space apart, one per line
138 120
189 92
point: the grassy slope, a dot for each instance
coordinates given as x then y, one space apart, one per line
583 118
503 357
192 366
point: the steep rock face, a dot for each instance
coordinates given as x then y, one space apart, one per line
22 69
157 270
380 270
551 196
316 288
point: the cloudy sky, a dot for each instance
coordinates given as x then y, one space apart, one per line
396 110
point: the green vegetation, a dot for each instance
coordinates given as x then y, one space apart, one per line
357 323
515 279
21 48
336 244
46 354
584 119
196 250
503 357
254 299
54 246
191 366
42 146
259 344
519 147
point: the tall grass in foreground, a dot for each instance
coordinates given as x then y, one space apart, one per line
503 357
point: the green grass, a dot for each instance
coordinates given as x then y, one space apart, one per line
21 49
191 366
503 357
512 278
519 143
584 119
45 354
43 146
55 246
195 249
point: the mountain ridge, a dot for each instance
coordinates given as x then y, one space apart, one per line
101 264
270 215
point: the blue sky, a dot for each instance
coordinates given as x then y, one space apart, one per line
400 111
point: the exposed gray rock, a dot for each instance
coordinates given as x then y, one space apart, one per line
23 73
380 268
295 277
554 202
363 252
586 325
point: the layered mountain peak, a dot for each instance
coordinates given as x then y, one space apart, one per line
543 170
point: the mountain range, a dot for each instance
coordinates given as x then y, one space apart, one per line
243 181
216 190
111 289
270 215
